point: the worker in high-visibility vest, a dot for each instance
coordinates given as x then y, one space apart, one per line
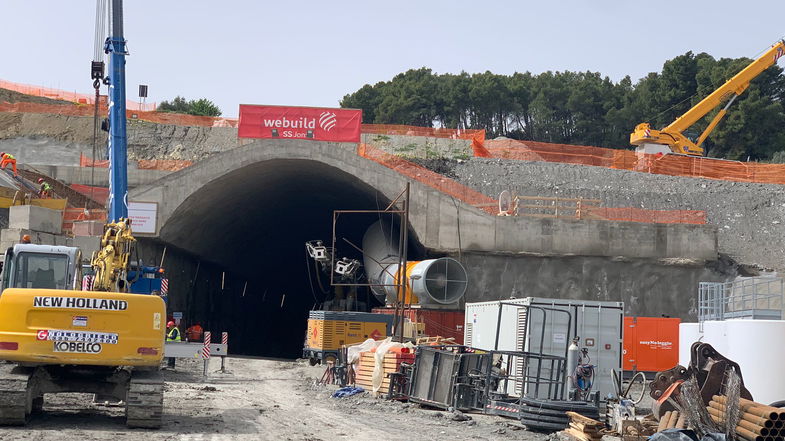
45 189
7 159
172 334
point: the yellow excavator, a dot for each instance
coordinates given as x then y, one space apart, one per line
56 337
671 139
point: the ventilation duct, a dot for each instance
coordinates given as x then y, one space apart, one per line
429 282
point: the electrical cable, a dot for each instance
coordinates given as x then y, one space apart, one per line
310 281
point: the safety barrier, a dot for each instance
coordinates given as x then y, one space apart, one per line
427 177
71 215
204 350
476 136
163 164
57 94
142 164
672 165
179 119
629 214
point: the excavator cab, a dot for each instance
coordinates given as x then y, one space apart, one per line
42 266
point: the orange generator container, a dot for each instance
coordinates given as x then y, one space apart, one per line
441 322
651 344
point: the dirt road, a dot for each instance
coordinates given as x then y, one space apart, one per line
259 400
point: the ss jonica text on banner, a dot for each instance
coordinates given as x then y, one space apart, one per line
314 123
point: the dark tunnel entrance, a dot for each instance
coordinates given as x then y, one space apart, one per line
247 231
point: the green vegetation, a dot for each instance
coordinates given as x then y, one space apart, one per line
200 107
584 107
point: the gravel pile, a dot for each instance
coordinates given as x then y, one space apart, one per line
750 218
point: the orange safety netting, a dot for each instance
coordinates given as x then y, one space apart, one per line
142 164
84 161
99 194
163 164
647 216
57 94
179 119
476 136
71 215
673 165
427 177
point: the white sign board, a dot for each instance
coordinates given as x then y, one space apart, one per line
143 217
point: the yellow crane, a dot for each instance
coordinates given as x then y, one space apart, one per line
672 139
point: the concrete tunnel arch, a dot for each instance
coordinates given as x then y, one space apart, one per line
251 221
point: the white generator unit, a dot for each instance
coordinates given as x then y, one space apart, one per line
548 326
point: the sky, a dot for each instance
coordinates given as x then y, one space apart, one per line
312 53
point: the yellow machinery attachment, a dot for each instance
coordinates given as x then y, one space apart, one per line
50 326
111 261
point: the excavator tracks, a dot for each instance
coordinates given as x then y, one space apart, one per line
15 400
145 399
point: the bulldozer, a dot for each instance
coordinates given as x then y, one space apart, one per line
57 338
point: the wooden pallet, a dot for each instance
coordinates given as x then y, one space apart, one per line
584 428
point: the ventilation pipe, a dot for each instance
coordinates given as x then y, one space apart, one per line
429 282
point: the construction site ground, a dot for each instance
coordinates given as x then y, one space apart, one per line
260 399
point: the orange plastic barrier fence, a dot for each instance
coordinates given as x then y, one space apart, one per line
99 194
84 161
57 94
71 215
163 164
143 164
648 216
673 165
476 136
427 177
154 117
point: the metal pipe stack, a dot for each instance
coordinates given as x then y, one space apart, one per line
758 422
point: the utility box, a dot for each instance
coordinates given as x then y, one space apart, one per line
547 326
651 344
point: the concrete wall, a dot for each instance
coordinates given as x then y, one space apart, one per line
440 222
83 175
648 287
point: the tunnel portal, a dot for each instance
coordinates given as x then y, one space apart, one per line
247 231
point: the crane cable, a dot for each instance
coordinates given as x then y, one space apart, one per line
98 56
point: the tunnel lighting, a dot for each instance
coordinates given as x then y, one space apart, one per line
317 251
347 267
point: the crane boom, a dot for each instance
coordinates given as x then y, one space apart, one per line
118 155
672 136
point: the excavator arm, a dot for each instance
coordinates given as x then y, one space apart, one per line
111 261
672 135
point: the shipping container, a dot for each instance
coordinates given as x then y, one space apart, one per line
329 330
438 322
544 325
651 344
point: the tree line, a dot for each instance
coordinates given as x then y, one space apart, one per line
584 107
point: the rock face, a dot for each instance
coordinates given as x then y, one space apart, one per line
750 217
68 136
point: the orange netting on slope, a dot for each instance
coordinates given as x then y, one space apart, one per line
427 177
57 94
628 214
673 165
163 164
476 136
98 194
178 119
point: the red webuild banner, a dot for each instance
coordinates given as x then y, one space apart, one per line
317 124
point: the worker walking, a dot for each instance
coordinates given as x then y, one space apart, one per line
7 159
194 333
172 334
44 190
